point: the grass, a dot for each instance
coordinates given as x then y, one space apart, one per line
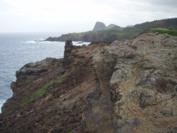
70 131
42 91
172 32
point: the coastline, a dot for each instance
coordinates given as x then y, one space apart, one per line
34 42
16 50
98 88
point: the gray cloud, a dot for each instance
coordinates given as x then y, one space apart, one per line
79 15
164 2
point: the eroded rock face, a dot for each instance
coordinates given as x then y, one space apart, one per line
146 83
125 87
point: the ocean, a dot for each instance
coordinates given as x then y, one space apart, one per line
17 49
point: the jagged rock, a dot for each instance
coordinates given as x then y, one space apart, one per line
34 68
68 48
99 26
126 87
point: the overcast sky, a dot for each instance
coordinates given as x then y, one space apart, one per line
79 15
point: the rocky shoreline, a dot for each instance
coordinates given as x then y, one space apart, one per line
126 87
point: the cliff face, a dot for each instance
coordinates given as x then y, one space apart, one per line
124 87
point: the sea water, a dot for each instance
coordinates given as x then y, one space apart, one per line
17 49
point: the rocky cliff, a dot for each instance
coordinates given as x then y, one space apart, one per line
123 87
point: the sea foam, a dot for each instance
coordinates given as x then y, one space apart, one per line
1 104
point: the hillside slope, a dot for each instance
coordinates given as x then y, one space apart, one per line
116 32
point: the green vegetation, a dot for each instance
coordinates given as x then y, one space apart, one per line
165 31
107 35
42 91
69 131
120 33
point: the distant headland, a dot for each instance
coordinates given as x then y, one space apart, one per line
112 32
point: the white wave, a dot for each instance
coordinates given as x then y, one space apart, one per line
80 43
40 41
1 104
30 42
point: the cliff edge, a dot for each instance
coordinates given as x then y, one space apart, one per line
123 87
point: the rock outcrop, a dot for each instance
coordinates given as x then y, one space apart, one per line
99 26
123 87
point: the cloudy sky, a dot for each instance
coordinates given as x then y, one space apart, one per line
79 15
